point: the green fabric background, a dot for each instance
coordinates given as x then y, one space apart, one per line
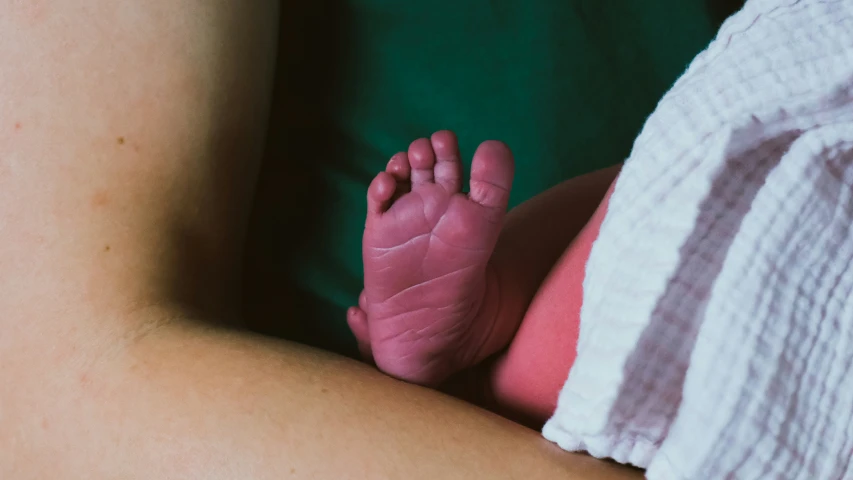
567 84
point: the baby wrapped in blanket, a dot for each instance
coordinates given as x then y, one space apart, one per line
715 334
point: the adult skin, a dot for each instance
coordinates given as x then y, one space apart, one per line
130 134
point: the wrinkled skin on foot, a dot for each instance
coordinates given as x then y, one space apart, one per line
430 299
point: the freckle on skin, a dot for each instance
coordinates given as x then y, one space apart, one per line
120 140
107 248
325 390
100 199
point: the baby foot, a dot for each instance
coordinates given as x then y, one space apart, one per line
430 299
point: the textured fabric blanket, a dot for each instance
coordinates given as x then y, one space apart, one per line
717 325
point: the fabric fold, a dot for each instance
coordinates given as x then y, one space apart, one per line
751 137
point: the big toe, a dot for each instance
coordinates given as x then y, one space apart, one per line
492 171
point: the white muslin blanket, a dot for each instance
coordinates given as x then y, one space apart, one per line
717 325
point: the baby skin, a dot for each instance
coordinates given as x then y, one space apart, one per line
431 305
451 280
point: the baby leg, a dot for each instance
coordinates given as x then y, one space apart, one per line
526 380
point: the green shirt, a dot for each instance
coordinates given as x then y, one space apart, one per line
567 84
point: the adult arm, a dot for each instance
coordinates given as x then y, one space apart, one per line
129 137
